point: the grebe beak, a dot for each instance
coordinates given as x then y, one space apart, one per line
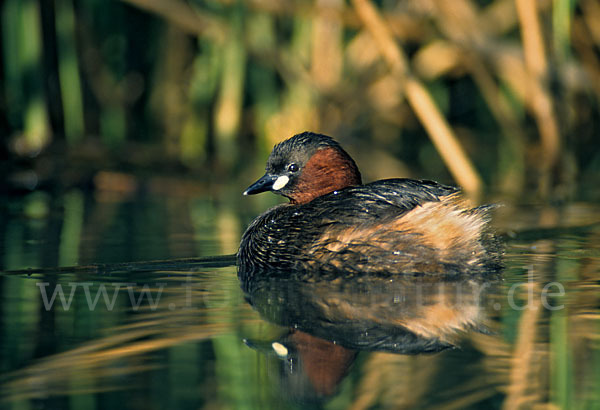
265 183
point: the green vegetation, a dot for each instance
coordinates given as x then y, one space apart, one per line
500 96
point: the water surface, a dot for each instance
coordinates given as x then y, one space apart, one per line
154 316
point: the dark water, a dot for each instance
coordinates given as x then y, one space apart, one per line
181 333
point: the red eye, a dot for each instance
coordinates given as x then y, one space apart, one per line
293 168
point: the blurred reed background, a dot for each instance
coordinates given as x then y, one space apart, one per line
498 96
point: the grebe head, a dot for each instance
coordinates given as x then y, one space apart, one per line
305 167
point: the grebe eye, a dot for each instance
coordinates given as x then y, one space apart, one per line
293 168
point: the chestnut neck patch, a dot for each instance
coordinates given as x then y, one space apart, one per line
326 171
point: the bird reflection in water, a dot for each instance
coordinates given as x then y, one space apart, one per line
331 319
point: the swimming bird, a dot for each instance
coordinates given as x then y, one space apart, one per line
335 224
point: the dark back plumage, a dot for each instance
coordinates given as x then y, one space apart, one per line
355 230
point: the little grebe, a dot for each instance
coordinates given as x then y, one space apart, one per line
333 223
